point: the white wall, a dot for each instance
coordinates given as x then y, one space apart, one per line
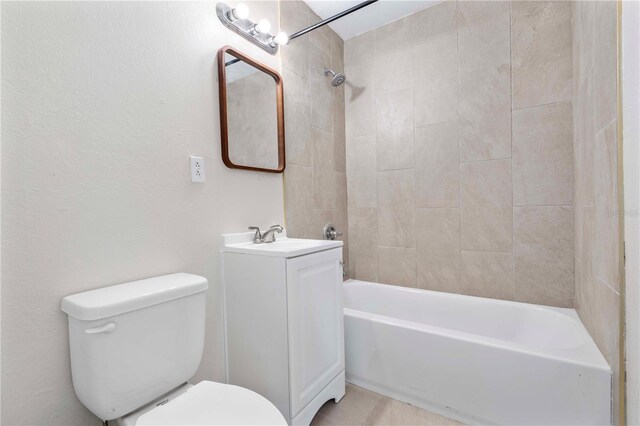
631 155
102 104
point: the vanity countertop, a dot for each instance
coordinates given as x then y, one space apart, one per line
282 247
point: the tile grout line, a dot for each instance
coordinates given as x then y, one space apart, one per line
540 105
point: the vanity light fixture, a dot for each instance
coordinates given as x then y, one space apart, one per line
237 20
263 26
241 11
280 39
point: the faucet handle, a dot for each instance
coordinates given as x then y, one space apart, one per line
257 237
329 232
277 228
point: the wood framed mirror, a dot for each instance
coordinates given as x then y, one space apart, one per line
251 113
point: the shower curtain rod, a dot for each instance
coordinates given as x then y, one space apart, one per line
331 19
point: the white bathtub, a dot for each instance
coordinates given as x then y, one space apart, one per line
474 359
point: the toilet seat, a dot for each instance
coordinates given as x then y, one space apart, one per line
211 403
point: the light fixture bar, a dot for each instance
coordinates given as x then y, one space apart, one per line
246 28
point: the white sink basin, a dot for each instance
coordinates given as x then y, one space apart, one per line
282 247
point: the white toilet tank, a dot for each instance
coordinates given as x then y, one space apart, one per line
131 343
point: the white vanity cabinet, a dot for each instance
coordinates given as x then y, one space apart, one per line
284 321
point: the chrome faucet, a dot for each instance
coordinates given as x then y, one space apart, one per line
268 237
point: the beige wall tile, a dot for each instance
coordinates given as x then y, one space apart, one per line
360 111
314 128
297 116
396 208
585 280
597 233
362 171
322 217
487 274
457 74
608 320
324 185
584 139
342 222
437 165
397 266
581 229
543 255
363 241
337 51
395 136
320 89
321 37
295 15
607 336
484 80
360 50
541 52
435 35
606 202
583 37
359 92
341 193
339 134
299 200
438 249
543 155
486 205
605 62
338 106
393 57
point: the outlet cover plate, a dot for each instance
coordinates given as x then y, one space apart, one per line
197 169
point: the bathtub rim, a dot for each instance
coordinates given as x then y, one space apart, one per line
590 353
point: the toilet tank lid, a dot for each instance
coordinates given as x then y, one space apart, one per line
119 299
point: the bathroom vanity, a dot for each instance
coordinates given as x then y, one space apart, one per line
284 321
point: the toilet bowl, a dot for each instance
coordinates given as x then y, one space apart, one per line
133 348
207 403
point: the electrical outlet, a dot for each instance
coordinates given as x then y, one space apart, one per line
197 169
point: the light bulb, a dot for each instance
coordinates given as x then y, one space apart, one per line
281 38
263 26
241 11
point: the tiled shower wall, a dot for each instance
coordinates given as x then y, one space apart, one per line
315 175
460 151
597 254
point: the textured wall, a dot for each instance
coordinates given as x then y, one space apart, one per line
597 253
315 179
102 104
459 151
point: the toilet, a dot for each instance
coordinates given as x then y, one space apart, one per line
133 348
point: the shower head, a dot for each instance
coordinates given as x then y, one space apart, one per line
338 78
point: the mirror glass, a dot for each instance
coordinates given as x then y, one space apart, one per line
253 114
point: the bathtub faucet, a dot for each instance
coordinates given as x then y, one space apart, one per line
268 237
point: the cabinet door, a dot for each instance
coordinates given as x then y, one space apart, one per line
316 324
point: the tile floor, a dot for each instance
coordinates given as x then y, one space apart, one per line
362 407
